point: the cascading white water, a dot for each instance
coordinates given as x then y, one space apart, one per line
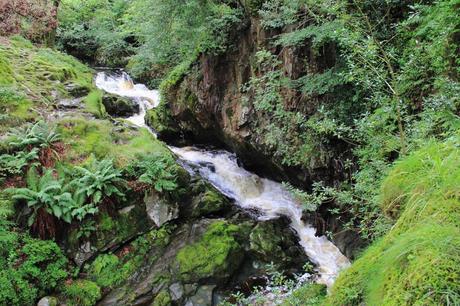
271 199
121 84
248 190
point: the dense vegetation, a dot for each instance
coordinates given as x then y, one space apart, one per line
389 95
60 177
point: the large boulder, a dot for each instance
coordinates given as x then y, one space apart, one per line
119 106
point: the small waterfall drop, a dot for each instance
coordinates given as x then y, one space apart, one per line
248 190
120 83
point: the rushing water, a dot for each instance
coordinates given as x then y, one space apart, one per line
121 84
248 190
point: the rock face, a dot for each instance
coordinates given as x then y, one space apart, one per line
119 106
208 105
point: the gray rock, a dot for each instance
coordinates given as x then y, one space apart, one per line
85 252
76 90
177 291
203 296
160 211
48 301
70 103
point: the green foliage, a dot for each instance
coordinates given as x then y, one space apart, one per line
100 180
39 135
307 295
45 192
95 30
111 32
157 170
107 271
30 268
14 164
417 260
212 254
82 293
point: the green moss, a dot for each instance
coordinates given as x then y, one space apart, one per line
41 73
307 295
416 263
6 73
106 223
214 254
162 299
160 119
82 293
15 109
103 139
29 268
210 202
107 271
93 104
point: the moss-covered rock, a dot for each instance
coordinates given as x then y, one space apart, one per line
217 254
160 120
162 299
209 202
119 106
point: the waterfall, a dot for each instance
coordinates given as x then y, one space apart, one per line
248 190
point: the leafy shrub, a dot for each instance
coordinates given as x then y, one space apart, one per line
44 193
82 293
14 164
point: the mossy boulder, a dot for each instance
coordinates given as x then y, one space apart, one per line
119 106
160 120
216 255
209 202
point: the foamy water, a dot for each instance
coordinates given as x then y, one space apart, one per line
121 84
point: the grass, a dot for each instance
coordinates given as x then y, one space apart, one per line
93 103
416 263
33 79
102 139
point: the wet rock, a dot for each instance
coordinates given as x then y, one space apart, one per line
274 241
119 106
208 203
48 301
203 296
159 210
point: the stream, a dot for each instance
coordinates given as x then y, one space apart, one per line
248 190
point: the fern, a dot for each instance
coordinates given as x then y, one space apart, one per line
157 170
100 180
14 164
39 135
